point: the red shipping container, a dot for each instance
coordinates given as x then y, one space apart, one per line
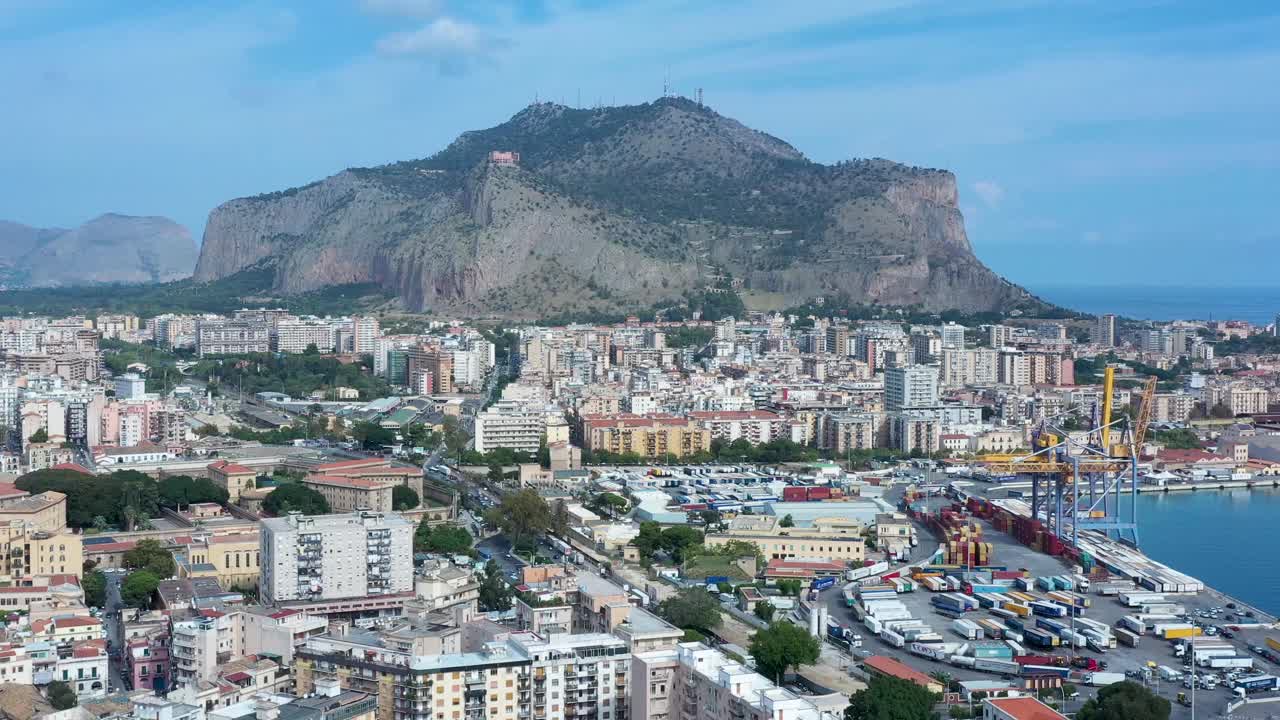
795 493
819 493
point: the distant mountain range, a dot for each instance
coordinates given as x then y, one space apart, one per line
108 249
562 210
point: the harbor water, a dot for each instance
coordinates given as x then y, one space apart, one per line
1230 539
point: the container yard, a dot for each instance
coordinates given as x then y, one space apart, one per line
1018 604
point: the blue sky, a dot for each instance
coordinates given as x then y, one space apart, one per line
1094 142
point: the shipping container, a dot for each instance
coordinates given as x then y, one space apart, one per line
1029 670
1048 609
963 661
1222 663
1126 637
967 629
1132 624
1003 667
892 638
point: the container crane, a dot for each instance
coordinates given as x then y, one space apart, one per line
1078 485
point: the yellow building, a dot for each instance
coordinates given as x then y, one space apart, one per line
347 494
646 435
233 478
29 551
46 511
832 539
233 560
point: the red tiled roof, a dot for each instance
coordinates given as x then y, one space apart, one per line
280 615
238 677
228 467
893 668
1188 456
347 464
7 489
73 467
111 547
734 415
75 622
1026 708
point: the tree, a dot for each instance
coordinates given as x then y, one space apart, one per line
61 695
148 554
522 515
404 497
693 608
39 436
445 539
787 521
1125 701
95 588
790 588
495 594
649 540
765 611
781 646
137 588
295 498
677 538
121 498
180 490
889 698
372 436
1221 412
610 504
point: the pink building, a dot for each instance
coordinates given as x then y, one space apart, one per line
146 663
504 157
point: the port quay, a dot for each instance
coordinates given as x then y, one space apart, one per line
993 599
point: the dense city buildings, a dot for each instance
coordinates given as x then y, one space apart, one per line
331 557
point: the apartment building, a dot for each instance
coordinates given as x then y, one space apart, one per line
969 366
577 676
434 360
654 435
1246 400
200 647
329 557
829 539
232 337
694 682
914 386
846 432
754 426
26 551
295 335
495 683
510 424
952 335
46 511
1104 331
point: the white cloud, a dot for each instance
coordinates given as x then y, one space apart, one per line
1091 237
453 44
990 192
403 8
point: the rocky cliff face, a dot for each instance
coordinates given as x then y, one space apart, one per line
108 249
612 208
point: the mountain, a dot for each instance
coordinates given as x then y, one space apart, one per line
620 207
108 249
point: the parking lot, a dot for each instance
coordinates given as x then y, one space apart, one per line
1207 609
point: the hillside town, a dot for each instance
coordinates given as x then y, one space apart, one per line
280 516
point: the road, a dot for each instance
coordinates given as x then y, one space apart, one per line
111 625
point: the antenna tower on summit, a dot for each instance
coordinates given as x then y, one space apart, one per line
699 96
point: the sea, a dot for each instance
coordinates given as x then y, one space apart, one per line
1226 538
1257 305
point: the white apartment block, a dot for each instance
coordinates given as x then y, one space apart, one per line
1245 400
952 335
969 366
232 337
694 682
331 557
577 676
914 386
365 331
754 426
510 424
295 335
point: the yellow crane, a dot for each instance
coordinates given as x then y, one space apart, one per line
1067 463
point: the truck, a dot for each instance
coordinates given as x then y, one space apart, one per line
1258 683
1099 679
1168 674
821 583
1132 624
1029 670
